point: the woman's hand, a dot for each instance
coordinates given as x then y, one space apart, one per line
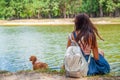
100 51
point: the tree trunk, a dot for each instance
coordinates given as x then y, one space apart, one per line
64 10
91 15
38 15
49 16
68 16
101 10
110 14
117 13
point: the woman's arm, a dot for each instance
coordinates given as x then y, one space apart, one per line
70 37
95 52
68 43
94 49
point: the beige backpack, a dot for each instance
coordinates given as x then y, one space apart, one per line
74 61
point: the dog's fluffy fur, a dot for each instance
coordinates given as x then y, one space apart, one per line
37 65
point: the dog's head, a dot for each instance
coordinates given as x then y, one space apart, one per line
33 58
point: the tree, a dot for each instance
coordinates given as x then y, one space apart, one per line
111 6
19 9
50 8
5 10
101 3
90 7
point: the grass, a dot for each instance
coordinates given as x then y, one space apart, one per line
3 72
62 72
48 71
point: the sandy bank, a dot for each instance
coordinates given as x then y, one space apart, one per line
37 22
45 76
57 21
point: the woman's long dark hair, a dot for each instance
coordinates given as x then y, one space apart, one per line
87 30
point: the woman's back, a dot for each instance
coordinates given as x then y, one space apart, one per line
87 48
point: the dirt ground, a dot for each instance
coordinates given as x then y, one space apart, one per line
45 76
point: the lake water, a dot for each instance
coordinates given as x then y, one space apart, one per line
48 43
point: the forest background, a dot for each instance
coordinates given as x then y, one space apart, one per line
41 9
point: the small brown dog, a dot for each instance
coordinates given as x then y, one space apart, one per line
37 65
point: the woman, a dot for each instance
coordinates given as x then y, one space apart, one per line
85 35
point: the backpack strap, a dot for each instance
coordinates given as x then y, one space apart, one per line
89 58
72 41
74 35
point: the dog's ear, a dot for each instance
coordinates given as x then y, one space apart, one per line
33 58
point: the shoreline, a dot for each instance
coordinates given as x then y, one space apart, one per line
70 21
33 75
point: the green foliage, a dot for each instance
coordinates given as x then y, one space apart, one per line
111 6
2 72
20 9
89 6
